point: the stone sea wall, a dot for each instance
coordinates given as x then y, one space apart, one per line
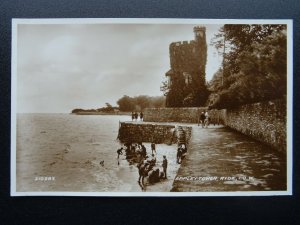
158 133
264 121
184 115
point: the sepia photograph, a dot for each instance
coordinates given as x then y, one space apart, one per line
151 107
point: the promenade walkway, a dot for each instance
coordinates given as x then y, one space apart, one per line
220 159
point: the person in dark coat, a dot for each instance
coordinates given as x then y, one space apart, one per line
144 151
132 116
202 118
165 165
179 154
141 116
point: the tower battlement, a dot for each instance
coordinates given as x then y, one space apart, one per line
181 43
199 28
187 73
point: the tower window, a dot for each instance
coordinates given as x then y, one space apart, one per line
199 33
187 78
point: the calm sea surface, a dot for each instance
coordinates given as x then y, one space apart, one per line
70 147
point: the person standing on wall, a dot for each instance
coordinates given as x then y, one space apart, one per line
141 116
132 116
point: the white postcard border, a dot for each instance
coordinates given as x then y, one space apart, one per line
288 22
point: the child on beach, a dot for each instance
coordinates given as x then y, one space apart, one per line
119 152
153 147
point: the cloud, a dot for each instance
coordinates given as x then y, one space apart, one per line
61 67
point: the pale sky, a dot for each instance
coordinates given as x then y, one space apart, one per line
61 67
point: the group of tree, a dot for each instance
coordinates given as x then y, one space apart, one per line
107 109
128 104
139 103
254 64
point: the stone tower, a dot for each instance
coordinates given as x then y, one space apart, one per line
186 78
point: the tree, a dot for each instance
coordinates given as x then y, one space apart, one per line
254 67
157 102
165 87
77 110
126 104
142 102
139 103
216 82
107 108
108 105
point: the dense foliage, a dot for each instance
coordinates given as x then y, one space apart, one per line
254 66
139 103
181 95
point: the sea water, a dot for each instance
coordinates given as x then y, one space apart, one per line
62 152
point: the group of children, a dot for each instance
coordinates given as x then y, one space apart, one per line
138 152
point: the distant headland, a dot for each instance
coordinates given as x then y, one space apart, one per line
126 105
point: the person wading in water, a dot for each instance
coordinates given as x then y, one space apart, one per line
119 152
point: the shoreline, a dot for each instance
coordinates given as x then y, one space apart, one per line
103 113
